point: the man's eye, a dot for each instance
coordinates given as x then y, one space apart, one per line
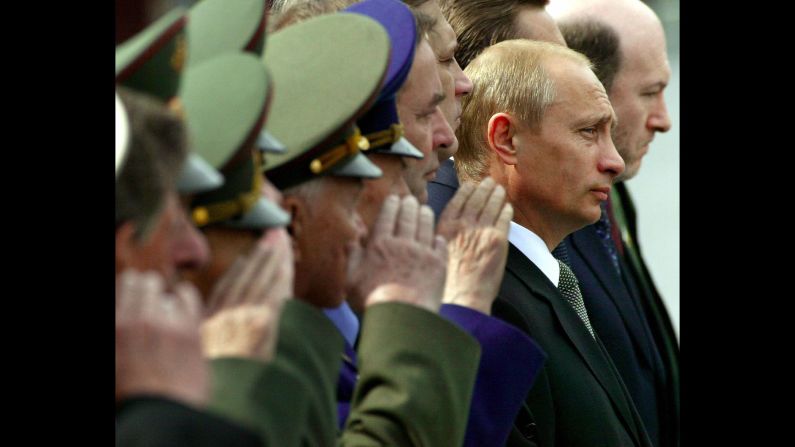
424 116
447 60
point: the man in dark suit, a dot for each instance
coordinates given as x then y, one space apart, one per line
548 143
626 42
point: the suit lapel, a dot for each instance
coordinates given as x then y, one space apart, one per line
588 246
575 330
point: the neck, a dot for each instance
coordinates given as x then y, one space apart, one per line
549 232
537 218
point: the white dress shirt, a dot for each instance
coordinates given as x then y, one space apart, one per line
536 251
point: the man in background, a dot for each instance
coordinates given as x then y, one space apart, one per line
626 42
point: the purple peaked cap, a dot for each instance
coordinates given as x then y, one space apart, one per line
381 124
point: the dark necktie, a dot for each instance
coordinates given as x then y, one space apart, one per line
561 253
570 289
604 231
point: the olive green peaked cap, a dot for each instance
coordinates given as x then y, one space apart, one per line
152 62
328 72
226 100
220 26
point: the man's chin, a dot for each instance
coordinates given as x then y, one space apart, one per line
629 172
420 190
423 197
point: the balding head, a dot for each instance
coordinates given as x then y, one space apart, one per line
611 11
626 41
632 20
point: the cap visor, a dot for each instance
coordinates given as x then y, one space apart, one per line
269 143
264 214
198 176
356 166
401 147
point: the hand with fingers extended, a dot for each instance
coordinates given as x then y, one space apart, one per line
243 311
158 346
476 223
402 260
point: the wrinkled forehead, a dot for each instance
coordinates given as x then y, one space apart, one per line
576 83
442 37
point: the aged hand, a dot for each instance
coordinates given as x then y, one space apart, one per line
244 307
402 262
475 224
158 347
247 331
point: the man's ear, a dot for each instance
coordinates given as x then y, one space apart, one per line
299 213
501 130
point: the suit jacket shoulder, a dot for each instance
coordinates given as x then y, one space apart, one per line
443 187
581 389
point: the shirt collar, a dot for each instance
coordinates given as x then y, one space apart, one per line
345 320
532 246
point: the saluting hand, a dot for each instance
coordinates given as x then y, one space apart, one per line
244 308
402 261
476 224
158 347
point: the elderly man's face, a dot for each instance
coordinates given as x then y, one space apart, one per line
173 245
323 232
425 126
568 165
376 190
455 83
227 245
637 96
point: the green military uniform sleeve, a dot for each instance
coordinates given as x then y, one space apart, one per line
270 399
416 377
291 400
311 345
